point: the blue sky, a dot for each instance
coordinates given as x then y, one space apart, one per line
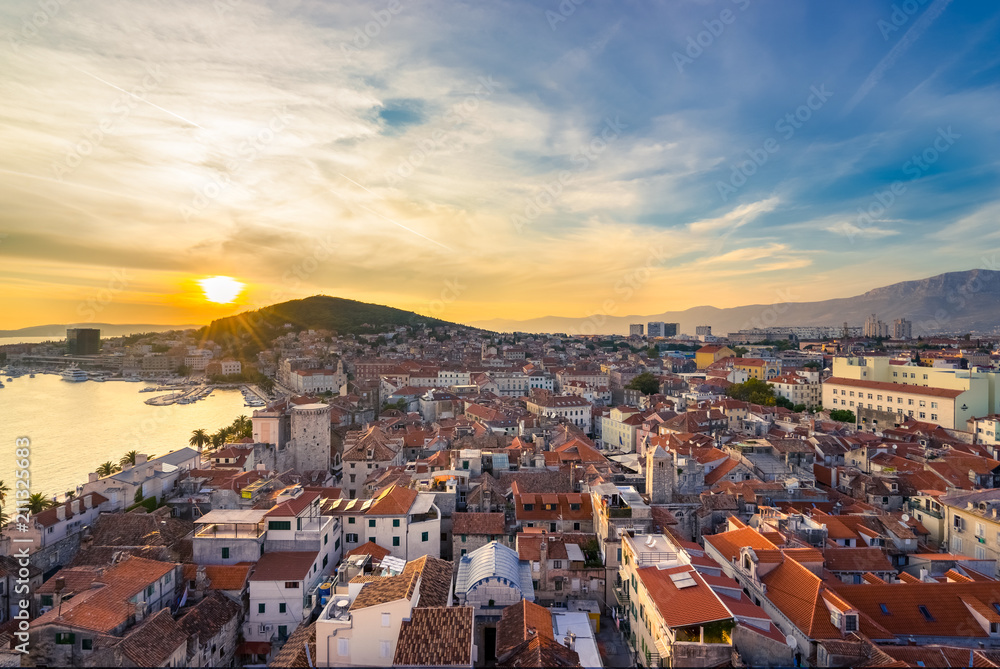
503 159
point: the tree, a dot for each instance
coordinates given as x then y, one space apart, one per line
242 427
799 408
812 364
107 468
645 383
128 459
653 352
38 502
754 391
842 416
740 351
199 438
4 489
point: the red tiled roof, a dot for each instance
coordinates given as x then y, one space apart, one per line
686 606
284 566
894 387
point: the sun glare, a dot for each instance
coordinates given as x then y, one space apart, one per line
221 289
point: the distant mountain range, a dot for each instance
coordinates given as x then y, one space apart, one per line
58 330
953 302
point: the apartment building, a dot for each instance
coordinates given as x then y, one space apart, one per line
573 409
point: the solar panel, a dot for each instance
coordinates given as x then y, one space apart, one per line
683 580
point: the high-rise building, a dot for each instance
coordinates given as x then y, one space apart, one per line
702 330
83 341
902 329
875 328
635 330
661 329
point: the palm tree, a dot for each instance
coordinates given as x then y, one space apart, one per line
38 502
107 468
219 438
242 427
4 489
199 438
128 458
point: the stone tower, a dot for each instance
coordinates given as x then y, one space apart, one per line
659 475
310 437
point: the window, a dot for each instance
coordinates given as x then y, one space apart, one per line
557 564
384 648
424 536
885 609
925 613
934 416
463 552
282 607
87 644
326 538
350 521
933 404
225 553
576 526
395 541
386 619
395 522
529 507
150 590
851 623
261 608
371 522
558 586
64 638
291 585
574 507
326 560
351 538
279 525
47 599
282 631
463 538
343 647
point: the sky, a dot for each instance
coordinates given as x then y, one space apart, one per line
479 160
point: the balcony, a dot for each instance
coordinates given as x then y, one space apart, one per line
915 506
619 512
224 531
621 594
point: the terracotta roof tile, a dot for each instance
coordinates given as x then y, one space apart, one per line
436 636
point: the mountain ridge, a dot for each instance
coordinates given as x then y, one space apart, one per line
949 302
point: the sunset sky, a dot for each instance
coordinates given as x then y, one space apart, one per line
489 159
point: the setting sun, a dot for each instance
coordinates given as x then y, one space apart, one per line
221 289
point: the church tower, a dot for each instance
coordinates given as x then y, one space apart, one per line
659 475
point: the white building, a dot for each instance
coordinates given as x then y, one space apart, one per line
402 520
231 367
574 409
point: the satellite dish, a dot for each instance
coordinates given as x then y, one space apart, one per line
906 517
790 640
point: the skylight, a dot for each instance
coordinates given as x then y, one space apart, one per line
885 609
683 580
925 613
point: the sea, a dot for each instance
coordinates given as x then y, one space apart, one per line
74 427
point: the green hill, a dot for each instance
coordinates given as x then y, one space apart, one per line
254 331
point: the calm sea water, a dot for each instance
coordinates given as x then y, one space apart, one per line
74 427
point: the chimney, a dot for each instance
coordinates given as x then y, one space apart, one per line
140 459
140 611
88 501
75 506
61 512
92 477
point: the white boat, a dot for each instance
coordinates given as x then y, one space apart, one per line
74 374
